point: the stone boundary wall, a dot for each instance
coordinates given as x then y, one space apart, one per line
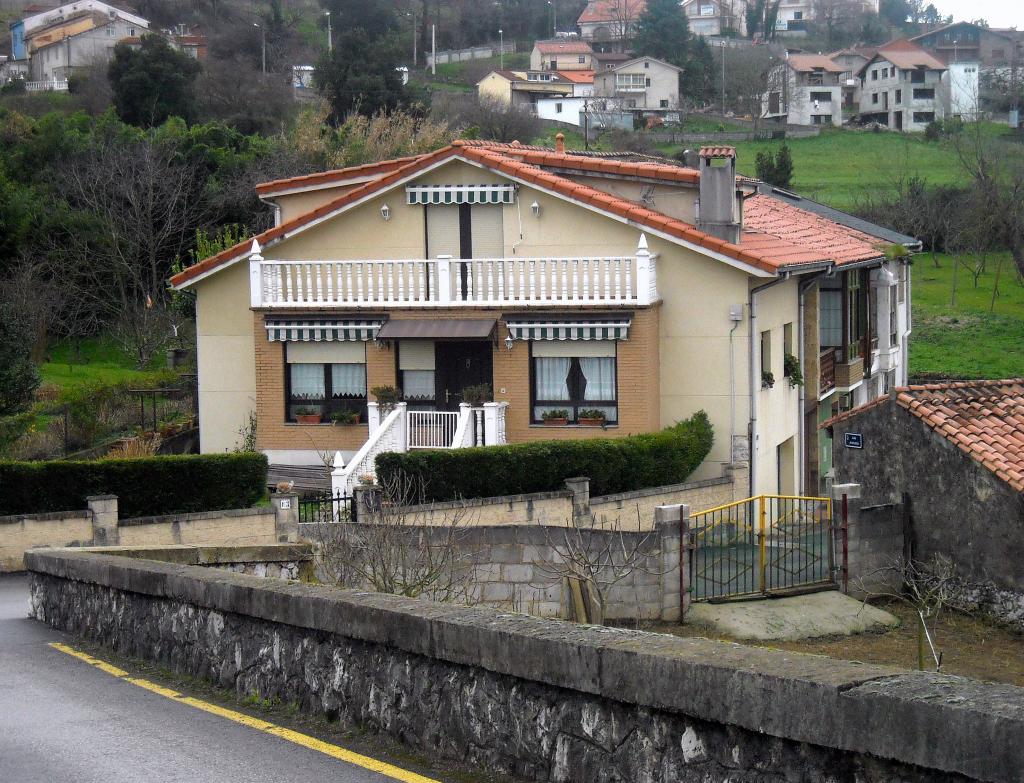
560 506
542 699
511 567
100 525
277 561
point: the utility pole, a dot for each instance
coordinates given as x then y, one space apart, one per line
330 41
263 33
723 79
433 50
501 49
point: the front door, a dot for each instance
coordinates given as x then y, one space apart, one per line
458 365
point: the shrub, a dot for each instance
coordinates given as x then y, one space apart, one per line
144 487
611 464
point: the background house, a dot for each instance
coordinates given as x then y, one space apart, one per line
715 17
526 88
805 90
610 24
904 87
643 83
54 52
561 55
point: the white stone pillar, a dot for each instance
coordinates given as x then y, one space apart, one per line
444 279
372 417
643 272
255 276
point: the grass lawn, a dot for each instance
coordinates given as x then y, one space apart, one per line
94 360
971 339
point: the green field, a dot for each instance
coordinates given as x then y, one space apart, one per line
972 339
89 361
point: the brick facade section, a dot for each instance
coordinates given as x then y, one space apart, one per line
638 386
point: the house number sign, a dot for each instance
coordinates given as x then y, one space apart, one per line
853 440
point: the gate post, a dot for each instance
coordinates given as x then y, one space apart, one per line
671 524
762 544
845 493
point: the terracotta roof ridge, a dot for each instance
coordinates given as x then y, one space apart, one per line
332 174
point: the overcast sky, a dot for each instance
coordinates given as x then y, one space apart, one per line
998 13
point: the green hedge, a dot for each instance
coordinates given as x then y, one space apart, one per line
611 464
145 486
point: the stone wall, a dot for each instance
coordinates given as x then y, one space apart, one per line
542 699
516 567
954 506
100 525
272 561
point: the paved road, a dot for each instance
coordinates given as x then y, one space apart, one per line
64 720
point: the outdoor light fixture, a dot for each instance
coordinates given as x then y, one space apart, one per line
385 212
510 341
535 209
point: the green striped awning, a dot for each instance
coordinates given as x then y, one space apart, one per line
460 194
570 330
322 329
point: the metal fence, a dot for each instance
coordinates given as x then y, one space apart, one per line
323 508
761 545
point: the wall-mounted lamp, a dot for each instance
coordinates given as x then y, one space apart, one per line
535 209
510 341
385 212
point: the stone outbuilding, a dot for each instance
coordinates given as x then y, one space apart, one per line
952 455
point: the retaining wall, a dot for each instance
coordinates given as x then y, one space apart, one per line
542 699
100 525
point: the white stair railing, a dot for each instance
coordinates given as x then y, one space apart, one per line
389 436
464 431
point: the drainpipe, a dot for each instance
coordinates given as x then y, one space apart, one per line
755 377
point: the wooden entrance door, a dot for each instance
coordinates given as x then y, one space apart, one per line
458 365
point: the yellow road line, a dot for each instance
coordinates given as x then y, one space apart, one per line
298 738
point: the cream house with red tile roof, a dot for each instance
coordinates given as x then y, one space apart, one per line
564 281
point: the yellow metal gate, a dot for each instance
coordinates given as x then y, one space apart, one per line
761 545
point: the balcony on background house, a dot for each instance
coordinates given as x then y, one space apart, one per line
848 375
828 371
453 282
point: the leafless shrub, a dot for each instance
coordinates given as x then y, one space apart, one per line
928 587
144 330
590 560
130 448
417 554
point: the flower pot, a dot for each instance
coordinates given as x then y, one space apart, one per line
591 422
555 422
352 423
308 418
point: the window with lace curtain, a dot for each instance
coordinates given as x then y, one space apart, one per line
574 376
326 377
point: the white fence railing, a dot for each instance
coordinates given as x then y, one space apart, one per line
447 282
431 429
55 85
389 435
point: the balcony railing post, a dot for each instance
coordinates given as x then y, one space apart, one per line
444 279
255 275
643 272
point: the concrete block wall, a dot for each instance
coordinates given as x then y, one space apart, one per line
100 525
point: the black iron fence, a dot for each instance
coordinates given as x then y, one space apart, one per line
323 508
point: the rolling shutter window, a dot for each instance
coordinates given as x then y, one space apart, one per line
327 353
443 231
488 240
574 348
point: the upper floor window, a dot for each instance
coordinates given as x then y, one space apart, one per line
630 81
582 59
917 77
924 94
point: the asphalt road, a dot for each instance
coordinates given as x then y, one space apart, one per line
64 720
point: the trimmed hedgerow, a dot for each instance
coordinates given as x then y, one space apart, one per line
611 464
147 486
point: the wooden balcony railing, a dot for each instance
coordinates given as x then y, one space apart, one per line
452 282
828 370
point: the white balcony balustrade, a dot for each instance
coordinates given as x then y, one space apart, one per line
452 282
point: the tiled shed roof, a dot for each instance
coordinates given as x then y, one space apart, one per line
984 419
563 47
840 243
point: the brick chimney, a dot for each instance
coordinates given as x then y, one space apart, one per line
717 209
560 143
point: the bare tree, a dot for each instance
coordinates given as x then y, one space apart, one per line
144 330
590 560
928 588
393 548
749 73
624 15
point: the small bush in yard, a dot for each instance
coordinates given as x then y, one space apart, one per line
146 486
611 464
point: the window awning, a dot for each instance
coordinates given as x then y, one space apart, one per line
438 328
576 329
318 329
460 194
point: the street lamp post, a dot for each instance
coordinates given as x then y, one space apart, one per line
330 42
263 33
501 49
723 80
554 17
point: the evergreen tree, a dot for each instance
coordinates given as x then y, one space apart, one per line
152 82
663 32
775 169
360 76
18 375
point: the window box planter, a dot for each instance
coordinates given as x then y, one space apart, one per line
308 416
556 418
345 419
590 418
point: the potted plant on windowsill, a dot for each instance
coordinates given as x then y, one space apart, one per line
590 417
791 369
556 418
387 397
308 416
477 395
767 379
345 418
